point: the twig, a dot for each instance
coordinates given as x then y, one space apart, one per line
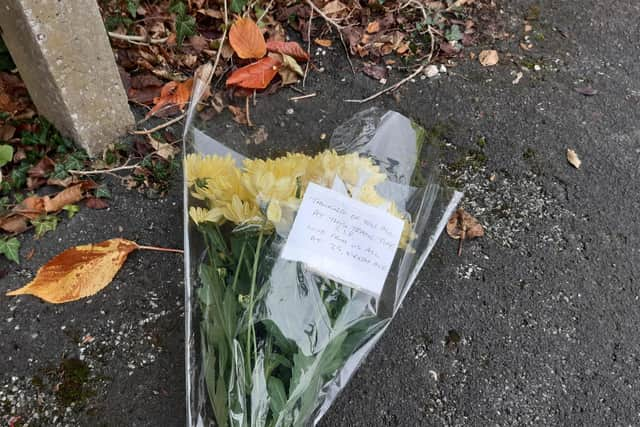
401 82
389 89
155 248
222 39
266 9
326 18
246 110
306 68
338 27
157 128
103 171
297 98
137 39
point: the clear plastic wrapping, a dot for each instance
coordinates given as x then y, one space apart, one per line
270 341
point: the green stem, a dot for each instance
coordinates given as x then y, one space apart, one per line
239 267
250 327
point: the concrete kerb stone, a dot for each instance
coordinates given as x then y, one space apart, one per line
63 54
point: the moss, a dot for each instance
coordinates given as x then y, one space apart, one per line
73 388
482 142
529 154
475 159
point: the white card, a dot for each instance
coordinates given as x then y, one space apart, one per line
344 239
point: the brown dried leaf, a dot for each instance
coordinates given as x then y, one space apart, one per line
323 42
15 224
334 7
96 203
373 27
462 226
239 115
292 49
31 207
78 272
488 58
68 196
573 159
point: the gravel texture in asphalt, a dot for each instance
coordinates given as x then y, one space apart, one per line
535 324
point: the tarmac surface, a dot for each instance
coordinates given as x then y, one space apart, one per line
535 324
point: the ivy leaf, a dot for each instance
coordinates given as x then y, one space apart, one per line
454 33
71 210
132 7
103 192
185 27
6 154
11 249
238 5
45 224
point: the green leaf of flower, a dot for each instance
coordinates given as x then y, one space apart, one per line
11 249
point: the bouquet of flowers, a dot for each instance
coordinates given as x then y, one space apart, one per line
295 266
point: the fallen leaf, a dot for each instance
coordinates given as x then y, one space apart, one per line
323 42
573 158
373 27
173 93
518 78
239 115
246 39
96 203
255 76
31 207
164 150
68 196
488 58
462 226
6 132
528 28
288 48
78 272
333 7
258 137
375 71
41 169
586 91
14 224
290 62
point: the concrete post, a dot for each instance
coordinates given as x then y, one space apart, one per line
63 54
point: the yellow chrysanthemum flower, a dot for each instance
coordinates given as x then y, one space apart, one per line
239 211
275 179
200 215
203 168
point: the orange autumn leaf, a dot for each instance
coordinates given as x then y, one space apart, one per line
78 272
172 93
246 39
292 49
257 75
323 42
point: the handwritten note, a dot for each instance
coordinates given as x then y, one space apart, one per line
344 239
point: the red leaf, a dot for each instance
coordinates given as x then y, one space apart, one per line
288 48
173 93
257 75
96 203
